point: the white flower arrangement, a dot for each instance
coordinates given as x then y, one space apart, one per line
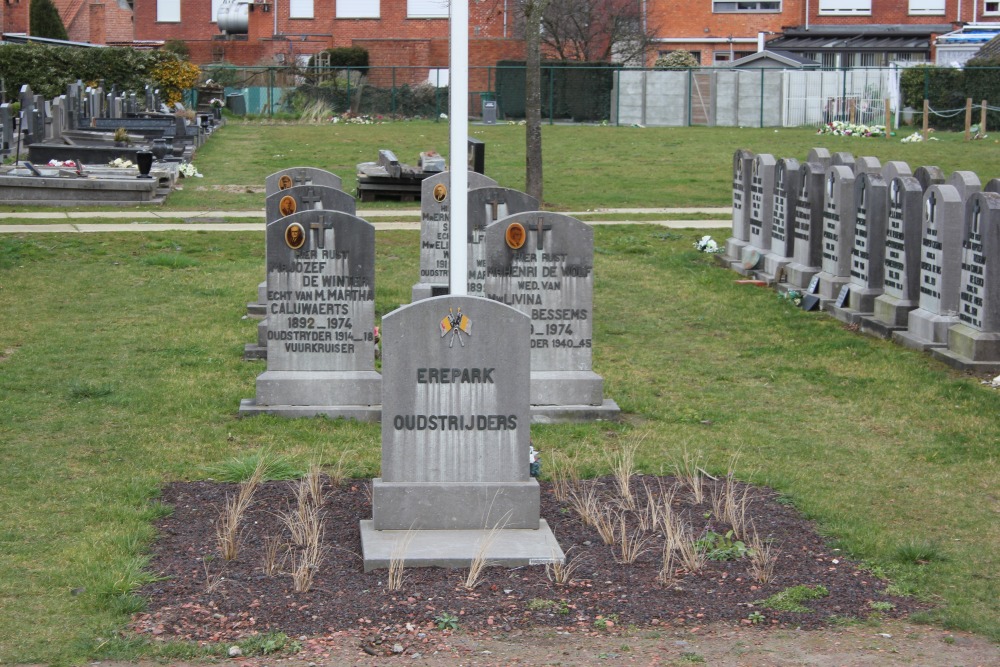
353 119
915 138
188 170
215 103
62 163
842 129
707 244
794 296
119 163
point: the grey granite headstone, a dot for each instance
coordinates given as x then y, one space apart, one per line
839 216
974 343
542 264
321 319
929 176
901 270
288 178
786 189
6 129
742 167
28 118
820 156
761 212
966 182
894 168
868 252
808 232
867 165
993 186
940 270
435 212
58 125
486 206
843 159
455 438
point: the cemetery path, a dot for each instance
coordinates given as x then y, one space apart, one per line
608 610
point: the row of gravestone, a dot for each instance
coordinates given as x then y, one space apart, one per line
911 256
317 313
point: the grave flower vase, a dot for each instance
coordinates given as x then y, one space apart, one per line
159 148
145 161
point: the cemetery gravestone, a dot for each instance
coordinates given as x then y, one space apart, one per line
435 214
929 176
993 186
868 252
839 217
808 227
820 156
782 248
761 211
901 266
486 206
455 439
542 264
940 270
895 168
321 319
843 159
6 129
974 343
867 165
966 183
28 127
742 166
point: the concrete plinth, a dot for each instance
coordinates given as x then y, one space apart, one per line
925 330
798 276
257 311
458 548
733 251
830 285
421 291
361 413
773 269
846 315
455 505
970 350
254 352
362 388
890 315
608 410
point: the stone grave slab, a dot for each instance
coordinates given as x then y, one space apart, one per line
486 206
782 249
808 230
742 167
761 212
839 217
321 319
974 343
868 251
901 265
455 438
542 264
435 239
940 270
6 129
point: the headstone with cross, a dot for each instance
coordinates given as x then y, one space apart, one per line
7 117
808 229
820 156
28 126
929 176
867 165
974 342
839 215
742 167
542 264
782 248
486 206
321 319
901 265
868 250
843 159
940 270
761 212
435 217
966 182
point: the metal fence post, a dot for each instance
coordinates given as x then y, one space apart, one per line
393 103
551 90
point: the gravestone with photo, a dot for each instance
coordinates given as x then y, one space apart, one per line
940 270
455 440
435 212
868 251
321 319
901 265
974 343
839 217
782 248
761 212
486 206
542 264
742 167
808 228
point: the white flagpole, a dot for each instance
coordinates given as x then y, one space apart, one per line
458 121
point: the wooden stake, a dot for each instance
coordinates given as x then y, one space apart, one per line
968 117
927 114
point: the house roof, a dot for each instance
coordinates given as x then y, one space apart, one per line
991 49
21 38
877 37
788 59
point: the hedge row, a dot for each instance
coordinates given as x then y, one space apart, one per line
946 89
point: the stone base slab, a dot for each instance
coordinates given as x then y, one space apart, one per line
875 327
925 330
318 388
798 276
862 299
773 269
455 505
733 251
846 315
566 388
608 410
361 413
254 352
257 310
421 291
458 548
829 285
970 350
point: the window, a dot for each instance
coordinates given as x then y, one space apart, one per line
926 7
357 9
991 7
723 56
300 9
168 11
840 7
426 9
722 7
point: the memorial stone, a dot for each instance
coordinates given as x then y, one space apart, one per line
929 176
974 343
435 208
993 186
940 270
6 129
58 124
321 319
808 228
868 252
761 212
901 266
843 159
839 218
820 156
742 167
486 206
28 127
966 182
542 264
867 165
895 168
287 178
455 439
786 188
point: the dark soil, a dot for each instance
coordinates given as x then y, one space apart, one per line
604 593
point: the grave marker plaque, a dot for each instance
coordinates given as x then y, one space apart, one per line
761 208
940 270
808 227
839 217
288 178
868 251
742 167
486 206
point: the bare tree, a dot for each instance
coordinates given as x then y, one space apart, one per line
597 30
533 11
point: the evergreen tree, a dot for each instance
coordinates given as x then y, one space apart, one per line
44 20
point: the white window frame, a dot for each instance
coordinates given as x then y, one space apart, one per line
427 9
168 11
995 11
718 7
845 7
300 9
927 7
358 9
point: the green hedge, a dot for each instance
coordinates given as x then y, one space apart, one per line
409 101
946 89
575 90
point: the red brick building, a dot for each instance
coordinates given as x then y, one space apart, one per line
91 21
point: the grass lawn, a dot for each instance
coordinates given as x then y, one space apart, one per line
120 369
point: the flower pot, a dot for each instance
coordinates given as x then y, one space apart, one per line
159 148
145 161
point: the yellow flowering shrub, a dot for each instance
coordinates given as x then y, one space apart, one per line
173 77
